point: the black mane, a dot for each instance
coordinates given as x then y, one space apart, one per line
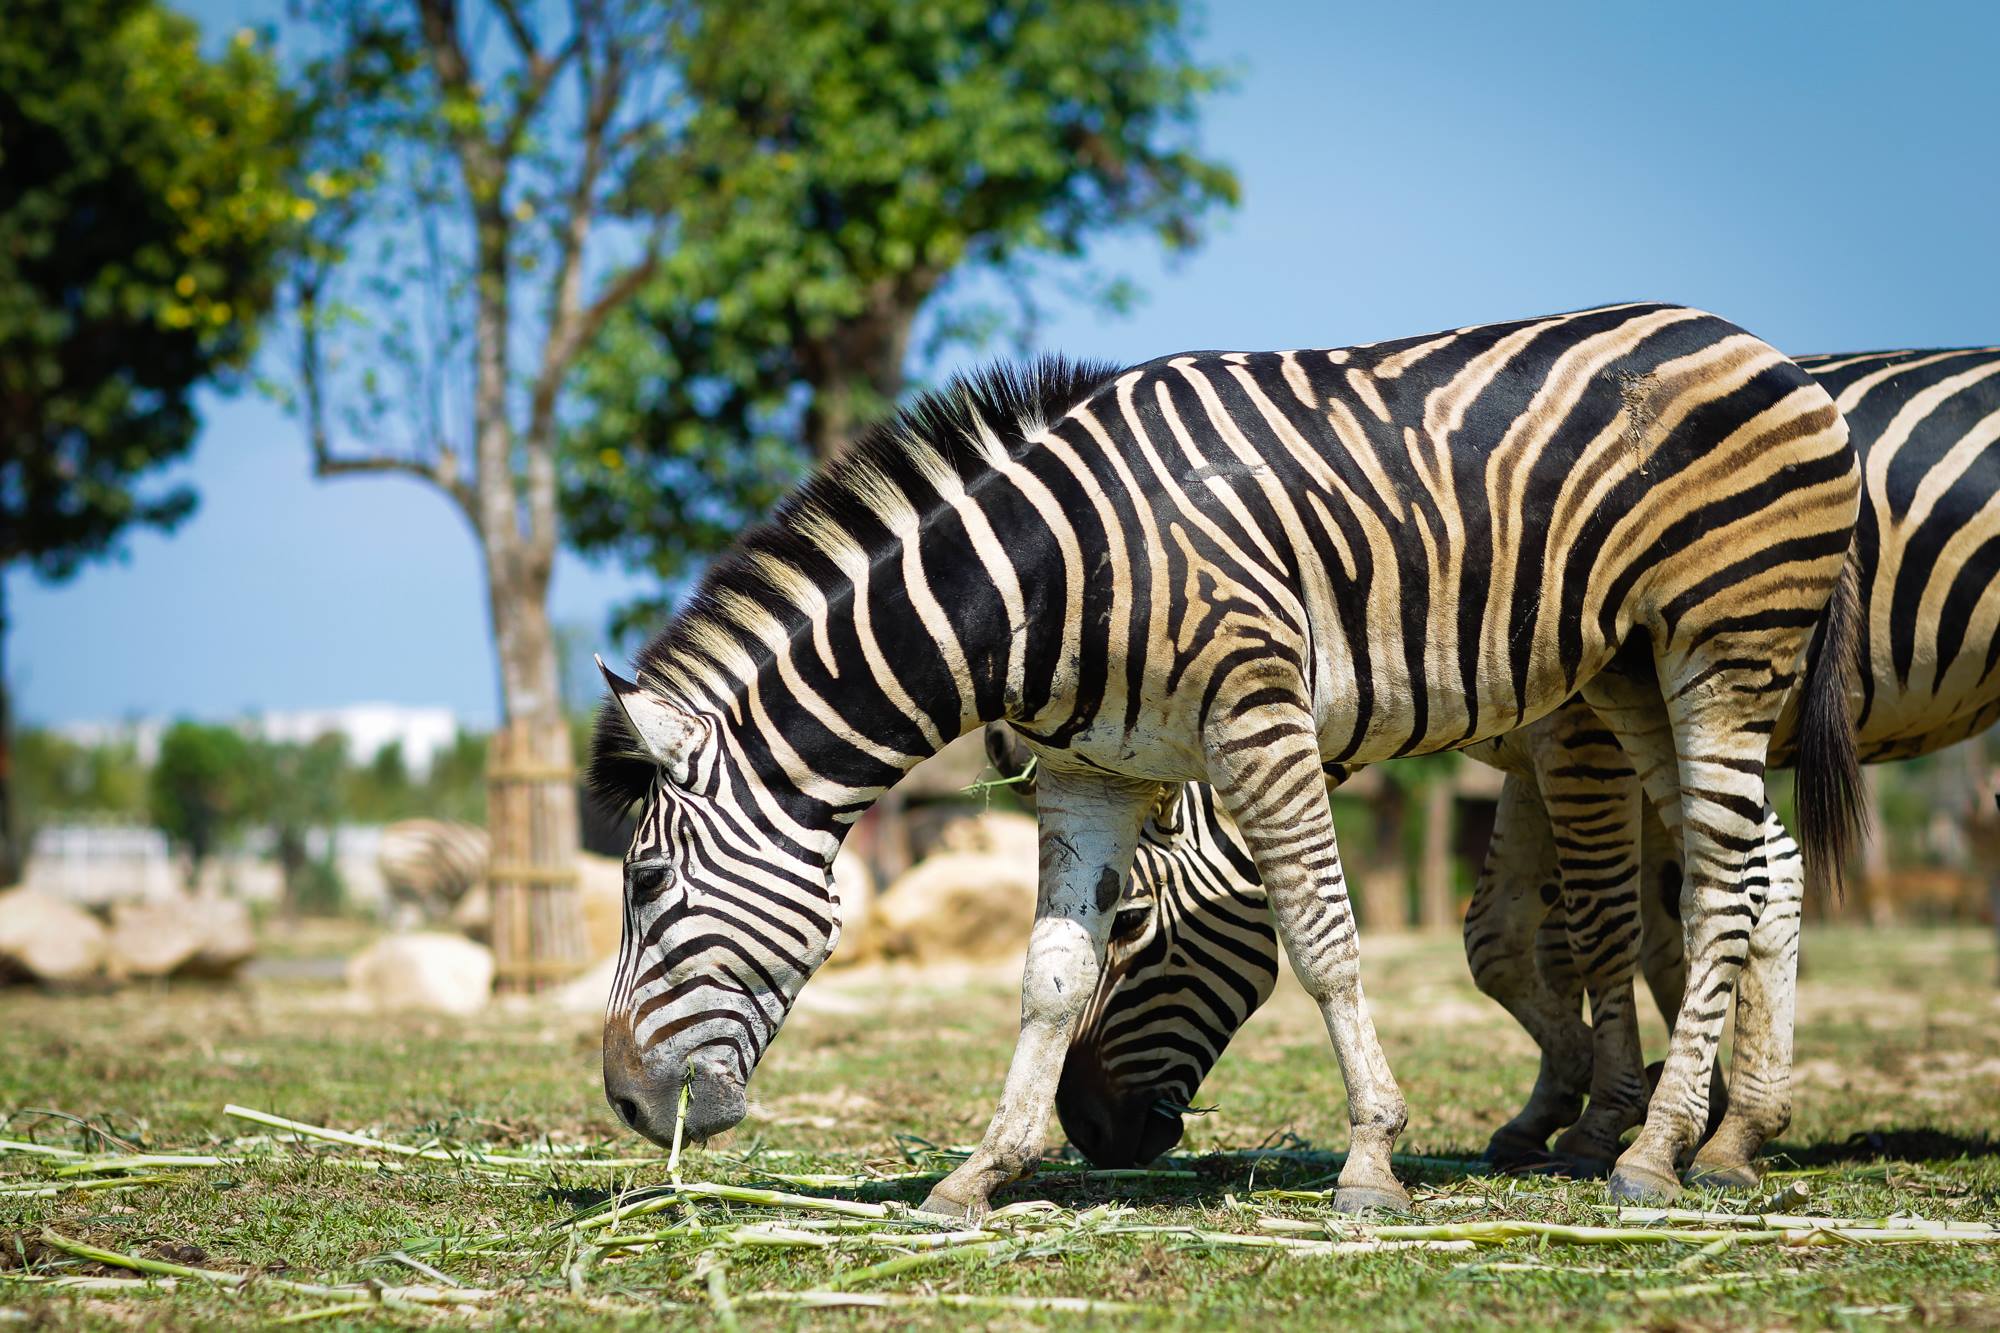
1011 402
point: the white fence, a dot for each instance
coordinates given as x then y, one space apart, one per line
99 864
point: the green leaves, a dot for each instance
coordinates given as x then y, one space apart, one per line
841 163
143 205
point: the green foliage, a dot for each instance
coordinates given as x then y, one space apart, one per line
293 789
56 777
382 790
142 207
201 788
843 167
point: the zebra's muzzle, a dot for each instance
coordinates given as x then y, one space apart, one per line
1112 1126
649 1104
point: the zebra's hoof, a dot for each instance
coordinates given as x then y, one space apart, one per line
1371 1199
1579 1166
953 1209
1631 1183
1509 1153
1724 1177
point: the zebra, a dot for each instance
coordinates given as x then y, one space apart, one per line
428 865
1539 935
1256 569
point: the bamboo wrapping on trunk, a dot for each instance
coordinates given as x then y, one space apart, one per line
538 933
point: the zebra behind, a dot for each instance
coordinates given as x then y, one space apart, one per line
1245 568
1540 933
429 865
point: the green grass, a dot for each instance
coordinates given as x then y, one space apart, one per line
1898 1103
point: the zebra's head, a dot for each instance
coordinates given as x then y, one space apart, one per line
1192 954
724 921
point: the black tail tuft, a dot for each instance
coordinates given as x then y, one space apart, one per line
1832 816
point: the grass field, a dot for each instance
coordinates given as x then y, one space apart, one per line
1898 1109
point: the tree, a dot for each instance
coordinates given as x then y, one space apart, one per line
292 789
143 206
476 167
898 160
201 789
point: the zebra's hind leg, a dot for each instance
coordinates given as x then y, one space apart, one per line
1513 905
1760 1066
1264 764
1089 832
1704 770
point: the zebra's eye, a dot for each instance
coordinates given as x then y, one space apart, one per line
1131 919
646 882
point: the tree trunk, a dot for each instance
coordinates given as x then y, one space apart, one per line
11 852
856 371
1872 893
1385 883
531 809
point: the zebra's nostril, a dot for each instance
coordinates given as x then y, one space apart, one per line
628 1111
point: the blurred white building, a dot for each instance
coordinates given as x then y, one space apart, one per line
423 732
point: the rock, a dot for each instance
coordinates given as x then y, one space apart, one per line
151 939
600 882
180 936
854 885
586 994
228 940
426 971
958 906
43 938
994 833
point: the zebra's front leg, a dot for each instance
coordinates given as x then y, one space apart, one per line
1089 833
1760 1065
1264 764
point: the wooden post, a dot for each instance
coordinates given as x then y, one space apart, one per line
1436 905
1871 892
538 935
1385 878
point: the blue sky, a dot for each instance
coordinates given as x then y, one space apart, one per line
1824 175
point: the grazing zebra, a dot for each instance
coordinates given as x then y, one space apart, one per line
429 864
1253 569
1540 934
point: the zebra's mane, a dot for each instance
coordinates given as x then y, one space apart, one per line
959 431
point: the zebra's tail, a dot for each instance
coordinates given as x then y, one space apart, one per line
1833 817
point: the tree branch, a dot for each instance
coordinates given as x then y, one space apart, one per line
441 471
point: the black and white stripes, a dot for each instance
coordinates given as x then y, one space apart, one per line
1247 568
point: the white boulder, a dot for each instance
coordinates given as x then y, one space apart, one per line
422 972
43 938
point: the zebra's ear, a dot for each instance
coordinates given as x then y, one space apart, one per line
671 736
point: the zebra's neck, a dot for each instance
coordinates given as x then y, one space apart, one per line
932 580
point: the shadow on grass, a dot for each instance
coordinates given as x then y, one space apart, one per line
1886 1145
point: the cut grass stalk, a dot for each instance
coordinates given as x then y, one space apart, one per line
893 1300
922 1259
670 1195
163 1268
508 1162
1792 1222
39 1190
36 1149
145 1162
